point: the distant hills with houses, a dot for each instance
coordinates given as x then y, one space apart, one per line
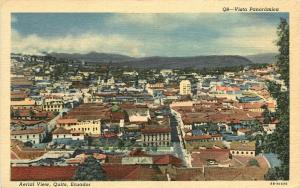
198 62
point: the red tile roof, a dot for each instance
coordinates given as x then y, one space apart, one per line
43 173
200 157
223 88
28 131
200 137
66 121
166 160
156 130
65 173
61 130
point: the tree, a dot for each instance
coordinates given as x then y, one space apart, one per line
31 113
90 140
90 170
266 114
121 144
279 142
283 45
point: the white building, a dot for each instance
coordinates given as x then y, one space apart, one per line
159 136
53 103
242 148
88 126
34 136
62 133
185 87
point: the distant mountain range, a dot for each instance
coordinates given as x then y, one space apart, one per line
169 62
262 58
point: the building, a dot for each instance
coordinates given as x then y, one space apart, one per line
86 117
242 148
156 136
27 103
62 133
185 87
34 135
204 138
210 157
53 103
88 126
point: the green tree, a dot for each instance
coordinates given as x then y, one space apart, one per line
283 45
267 115
279 142
121 144
90 170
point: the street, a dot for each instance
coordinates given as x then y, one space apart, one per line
176 141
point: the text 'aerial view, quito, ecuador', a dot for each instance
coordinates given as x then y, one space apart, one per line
149 97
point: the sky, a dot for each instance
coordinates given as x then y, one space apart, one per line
140 35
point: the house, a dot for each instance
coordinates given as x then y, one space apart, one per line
210 157
137 113
156 136
88 126
243 148
62 133
204 138
243 131
53 103
87 118
34 135
27 103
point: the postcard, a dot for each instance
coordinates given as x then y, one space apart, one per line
149 93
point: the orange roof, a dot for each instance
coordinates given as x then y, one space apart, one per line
224 88
53 173
156 130
61 130
66 121
244 130
28 131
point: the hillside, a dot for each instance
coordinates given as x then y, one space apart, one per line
198 62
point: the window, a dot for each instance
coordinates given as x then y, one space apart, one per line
237 152
246 152
57 136
64 136
27 136
232 152
242 152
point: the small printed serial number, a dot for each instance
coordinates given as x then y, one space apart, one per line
278 183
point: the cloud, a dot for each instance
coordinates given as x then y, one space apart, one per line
84 43
249 40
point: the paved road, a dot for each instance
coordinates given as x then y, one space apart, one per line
177 145
174 132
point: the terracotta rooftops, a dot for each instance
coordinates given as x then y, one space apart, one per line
201 137
224 88
64 173
66 121
28 131
61 130
244 146
53 173
156 130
